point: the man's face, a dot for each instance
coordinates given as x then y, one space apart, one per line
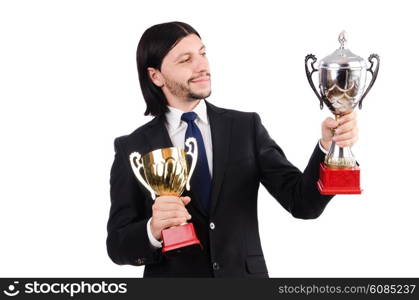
185 71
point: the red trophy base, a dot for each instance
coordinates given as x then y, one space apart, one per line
338 181
178 237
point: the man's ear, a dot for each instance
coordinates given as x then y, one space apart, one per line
155 76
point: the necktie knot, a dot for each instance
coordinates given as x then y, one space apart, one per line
189 116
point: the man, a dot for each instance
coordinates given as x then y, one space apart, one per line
237 154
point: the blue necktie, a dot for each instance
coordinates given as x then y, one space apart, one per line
201 179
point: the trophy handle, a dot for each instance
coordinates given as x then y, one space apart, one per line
136 166
194 155
310 75
373 73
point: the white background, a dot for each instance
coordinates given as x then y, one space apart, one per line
69 86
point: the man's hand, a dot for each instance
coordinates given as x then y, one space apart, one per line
346 133
168 211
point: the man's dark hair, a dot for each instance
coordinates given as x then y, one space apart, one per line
154 44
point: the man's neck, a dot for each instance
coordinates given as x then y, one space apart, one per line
186 106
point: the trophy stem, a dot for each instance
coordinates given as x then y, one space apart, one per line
339 157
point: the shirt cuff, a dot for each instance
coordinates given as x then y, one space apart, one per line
155 243
321 148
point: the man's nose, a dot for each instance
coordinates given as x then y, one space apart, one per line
202 65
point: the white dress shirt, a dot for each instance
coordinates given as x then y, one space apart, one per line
177 130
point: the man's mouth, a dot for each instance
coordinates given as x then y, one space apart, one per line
201 79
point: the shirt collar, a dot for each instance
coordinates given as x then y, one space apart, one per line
173 116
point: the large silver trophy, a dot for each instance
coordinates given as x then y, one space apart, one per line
342 86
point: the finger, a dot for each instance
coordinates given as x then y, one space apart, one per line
171 222
345 136
168 214
168 207
164 215
348 117
330 123
169 199
185 200
349 126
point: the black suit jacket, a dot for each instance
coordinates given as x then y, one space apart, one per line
244 155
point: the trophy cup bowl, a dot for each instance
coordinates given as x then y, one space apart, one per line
165 172
342 82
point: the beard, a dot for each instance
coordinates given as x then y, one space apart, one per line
184 91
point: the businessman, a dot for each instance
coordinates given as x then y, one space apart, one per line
236 155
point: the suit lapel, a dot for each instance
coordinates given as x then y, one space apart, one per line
221 126
157 135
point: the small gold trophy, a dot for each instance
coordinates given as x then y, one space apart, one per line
165 172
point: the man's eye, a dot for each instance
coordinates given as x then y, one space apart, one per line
204 53
185 60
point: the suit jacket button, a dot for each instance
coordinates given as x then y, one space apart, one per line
212 225
215 266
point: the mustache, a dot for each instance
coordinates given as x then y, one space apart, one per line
199 76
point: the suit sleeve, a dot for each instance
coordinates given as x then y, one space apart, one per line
127 241
296 191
